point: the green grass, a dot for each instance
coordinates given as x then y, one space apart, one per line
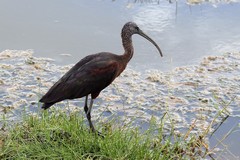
58 136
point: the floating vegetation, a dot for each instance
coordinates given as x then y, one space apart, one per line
186 93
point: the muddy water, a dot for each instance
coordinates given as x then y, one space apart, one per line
69 30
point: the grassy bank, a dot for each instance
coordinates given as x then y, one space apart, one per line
58 136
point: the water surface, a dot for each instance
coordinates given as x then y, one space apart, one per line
57 27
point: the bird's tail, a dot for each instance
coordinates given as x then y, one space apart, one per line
46 105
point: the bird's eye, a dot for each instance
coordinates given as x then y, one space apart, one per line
137 28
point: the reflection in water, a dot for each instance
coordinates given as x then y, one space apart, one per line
191 33
153 18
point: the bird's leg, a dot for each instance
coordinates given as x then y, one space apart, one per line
88 113
86 105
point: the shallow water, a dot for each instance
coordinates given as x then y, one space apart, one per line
78 28
66 31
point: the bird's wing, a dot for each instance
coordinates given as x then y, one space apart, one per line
90 77
77 66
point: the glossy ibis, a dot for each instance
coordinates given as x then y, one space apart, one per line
94 73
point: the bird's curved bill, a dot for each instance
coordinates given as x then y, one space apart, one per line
148 38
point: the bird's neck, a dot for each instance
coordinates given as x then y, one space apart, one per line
128 47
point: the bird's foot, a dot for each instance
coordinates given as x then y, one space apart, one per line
97 133
100 134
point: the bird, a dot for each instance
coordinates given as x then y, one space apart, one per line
94 73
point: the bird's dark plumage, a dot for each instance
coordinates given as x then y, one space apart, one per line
94 73
84 79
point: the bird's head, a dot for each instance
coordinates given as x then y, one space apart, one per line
132 28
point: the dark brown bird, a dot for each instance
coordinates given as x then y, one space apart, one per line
94 73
